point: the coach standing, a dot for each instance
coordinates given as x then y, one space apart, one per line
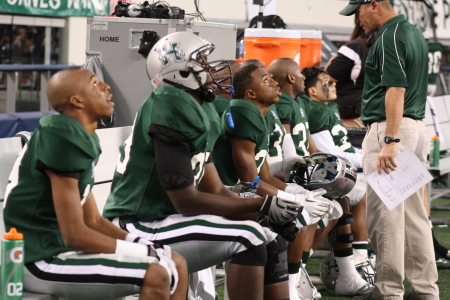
393 105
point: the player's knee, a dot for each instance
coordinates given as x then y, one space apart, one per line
156 280
339 236
276 267
362 203
254 256
345 219
180 262
345 204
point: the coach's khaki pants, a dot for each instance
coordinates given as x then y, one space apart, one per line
402 237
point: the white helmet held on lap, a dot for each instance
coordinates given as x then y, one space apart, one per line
330 172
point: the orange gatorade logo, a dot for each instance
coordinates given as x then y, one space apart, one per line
16 254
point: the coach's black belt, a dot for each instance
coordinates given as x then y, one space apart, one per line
404 116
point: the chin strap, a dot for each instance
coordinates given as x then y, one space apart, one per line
228 115
206 94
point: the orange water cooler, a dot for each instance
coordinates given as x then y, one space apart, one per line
310 48
267 44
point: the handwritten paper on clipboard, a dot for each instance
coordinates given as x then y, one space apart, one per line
395 187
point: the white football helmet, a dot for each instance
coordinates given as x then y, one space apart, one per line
180 59
332 173
329 271
305 288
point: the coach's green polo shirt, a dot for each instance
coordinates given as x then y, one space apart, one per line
398 58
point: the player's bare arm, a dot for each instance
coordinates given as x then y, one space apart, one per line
94 220
212 184
244 162
312 148
189 201
75 232
273 181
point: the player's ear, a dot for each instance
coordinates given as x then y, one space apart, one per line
312 91
290 78
76 101
250 94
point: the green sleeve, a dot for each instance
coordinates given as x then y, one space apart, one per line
284 109
68 151
181 114
318 118
394 54
249 123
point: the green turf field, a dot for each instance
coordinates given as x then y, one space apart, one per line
442 234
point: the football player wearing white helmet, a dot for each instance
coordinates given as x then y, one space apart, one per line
165 187
330 136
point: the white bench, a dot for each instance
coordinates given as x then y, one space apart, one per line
110 140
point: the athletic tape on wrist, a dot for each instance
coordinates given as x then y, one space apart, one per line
131 249
135 239
286 196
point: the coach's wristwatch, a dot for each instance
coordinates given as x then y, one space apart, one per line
388 140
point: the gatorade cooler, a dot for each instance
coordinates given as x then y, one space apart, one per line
310 48
267 44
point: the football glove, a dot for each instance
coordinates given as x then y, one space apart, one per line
294 188
279 211
288 231
244 187
163 253
314 203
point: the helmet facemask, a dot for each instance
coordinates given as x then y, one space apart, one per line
330 172
198 64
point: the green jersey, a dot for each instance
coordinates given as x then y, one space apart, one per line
434 61
304 102
326 117
136 190
249 124
62 145
221 104
294 112
214 122
277 132
398 58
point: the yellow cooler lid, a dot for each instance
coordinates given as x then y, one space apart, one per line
273 33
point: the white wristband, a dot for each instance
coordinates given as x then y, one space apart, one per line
287 196
131 249
135 239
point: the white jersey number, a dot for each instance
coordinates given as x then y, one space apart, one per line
260 157
302 128
337 129
434 62
198 162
